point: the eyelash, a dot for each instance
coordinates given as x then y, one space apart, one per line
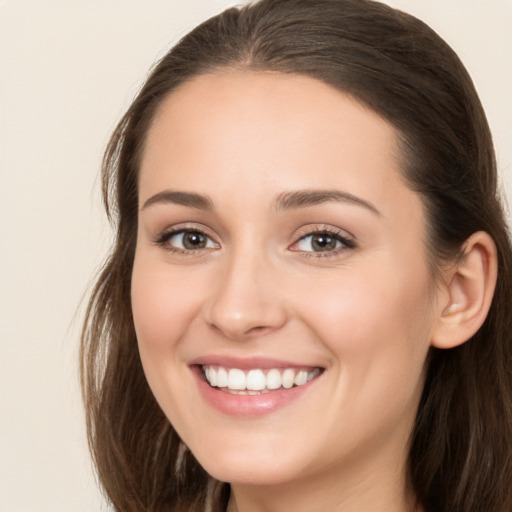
347 243
163 239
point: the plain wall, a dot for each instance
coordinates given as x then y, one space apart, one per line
68 70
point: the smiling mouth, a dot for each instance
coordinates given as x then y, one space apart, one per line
257 381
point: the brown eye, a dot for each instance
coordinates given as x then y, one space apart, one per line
189 240
319 242
194 240
325 242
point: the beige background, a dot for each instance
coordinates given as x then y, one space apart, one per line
68 69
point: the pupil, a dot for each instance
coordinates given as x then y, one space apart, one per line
194 240
323 243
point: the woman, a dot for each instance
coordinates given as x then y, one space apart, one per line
307 304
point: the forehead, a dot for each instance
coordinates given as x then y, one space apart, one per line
257 129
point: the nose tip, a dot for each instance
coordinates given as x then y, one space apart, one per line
237 327
245 304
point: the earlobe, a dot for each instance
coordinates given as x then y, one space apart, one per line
469 288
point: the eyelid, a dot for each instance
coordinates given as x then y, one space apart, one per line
162 237
347 239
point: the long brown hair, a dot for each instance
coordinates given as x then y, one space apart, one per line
460 456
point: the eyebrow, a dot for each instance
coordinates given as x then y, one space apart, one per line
305 198
285 201
189 199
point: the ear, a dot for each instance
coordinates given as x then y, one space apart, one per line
467 292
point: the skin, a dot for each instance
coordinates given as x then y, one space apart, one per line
365 314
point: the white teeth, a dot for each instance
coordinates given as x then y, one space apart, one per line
274 379
222 378
313 374
288 378
301 378
236 379
255 381
212 377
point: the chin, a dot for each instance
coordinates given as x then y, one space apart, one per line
248 473
262 465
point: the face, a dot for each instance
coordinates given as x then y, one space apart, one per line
281 295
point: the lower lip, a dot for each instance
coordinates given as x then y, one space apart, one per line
248 405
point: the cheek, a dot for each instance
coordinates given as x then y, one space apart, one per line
377 331
163 304
377 325
354 305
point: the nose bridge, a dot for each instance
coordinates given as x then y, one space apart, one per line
246 300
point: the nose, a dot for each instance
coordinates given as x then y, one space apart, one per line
245 301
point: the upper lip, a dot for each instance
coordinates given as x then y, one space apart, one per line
248 363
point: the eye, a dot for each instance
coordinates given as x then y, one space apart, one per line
186 240
325 241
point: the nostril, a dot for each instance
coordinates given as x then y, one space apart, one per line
258 330
234 332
